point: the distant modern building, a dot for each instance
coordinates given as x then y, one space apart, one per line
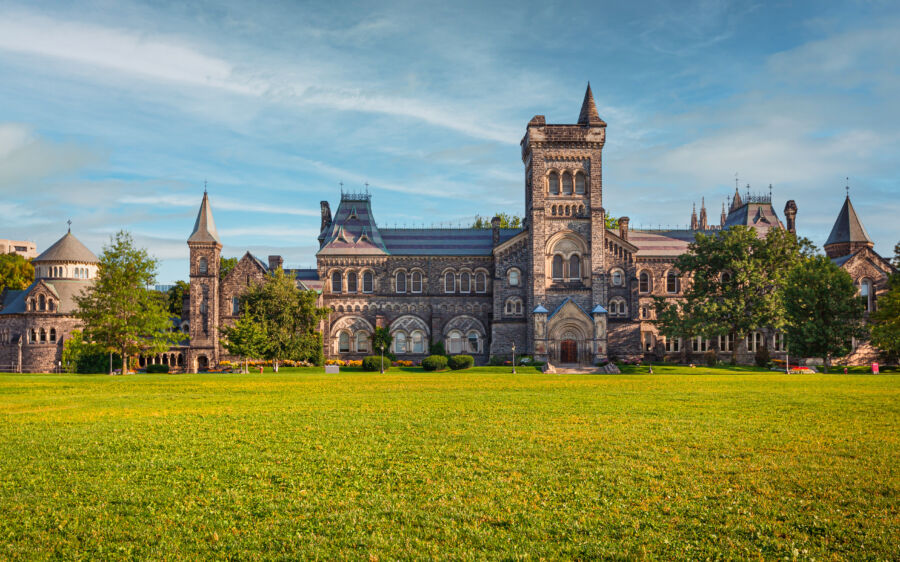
24 248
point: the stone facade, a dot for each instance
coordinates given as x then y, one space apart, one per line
563 287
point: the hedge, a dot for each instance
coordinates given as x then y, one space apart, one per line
157 368
459 362
434 363
373 363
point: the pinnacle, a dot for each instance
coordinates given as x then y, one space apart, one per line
589 115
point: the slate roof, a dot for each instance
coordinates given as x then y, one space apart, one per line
589 114
443 241
662 243
65 289
563 303
308 279
353 230
67 249
847 227
760 216
204 226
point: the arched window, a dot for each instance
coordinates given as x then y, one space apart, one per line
42 303
554 183
362 342
336 280
202 266
574 267
401 281
399 342
416 282
235 306
480 282
351 282
33 336
553 210
865 294
32 304
43 335
368 282
579 183
53 334
645 312
617 278
455 342
557 266
344 342
418 342
567 186
449 282
672 284
644 282
51 305
513 277
473 342
465 282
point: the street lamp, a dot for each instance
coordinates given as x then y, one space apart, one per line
514 357
382 357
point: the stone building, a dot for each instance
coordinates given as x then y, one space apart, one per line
35 322
563 288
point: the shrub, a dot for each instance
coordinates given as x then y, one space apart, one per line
434 363
157 368
437 348
710 358
495 361
373 363
762 356
459 362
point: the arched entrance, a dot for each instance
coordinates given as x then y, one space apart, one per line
568 351
202 363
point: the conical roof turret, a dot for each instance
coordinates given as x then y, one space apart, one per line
205 226
67 249
589 115
848 228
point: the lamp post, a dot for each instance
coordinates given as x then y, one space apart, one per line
382 357
514 357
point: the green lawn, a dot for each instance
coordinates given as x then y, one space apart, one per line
450 465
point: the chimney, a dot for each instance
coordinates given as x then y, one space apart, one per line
790 214
623 228
495 230
275 262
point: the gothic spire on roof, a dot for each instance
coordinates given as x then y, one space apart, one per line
205 226
848 229
589 115
736 200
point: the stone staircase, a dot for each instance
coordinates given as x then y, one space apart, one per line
576 369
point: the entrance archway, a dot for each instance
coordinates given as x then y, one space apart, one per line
568 351
202 363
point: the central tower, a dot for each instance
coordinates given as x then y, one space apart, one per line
564 210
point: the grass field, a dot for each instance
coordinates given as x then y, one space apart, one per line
458 465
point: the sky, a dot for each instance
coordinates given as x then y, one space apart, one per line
115 114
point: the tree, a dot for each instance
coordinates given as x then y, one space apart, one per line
16 272
822 311
175 297
885 321
226 265
246 339
288 317
118 311
506 221
382 337
733 284
611 222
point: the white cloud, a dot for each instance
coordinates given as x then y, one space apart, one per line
218 203
25 156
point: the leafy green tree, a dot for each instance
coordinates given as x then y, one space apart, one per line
885 321
246 339
611 222
822 311
226 265
118 311
175 297
506 221
382 337
80 356
733 281
16 272
288 317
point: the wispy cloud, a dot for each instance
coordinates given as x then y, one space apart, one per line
218 203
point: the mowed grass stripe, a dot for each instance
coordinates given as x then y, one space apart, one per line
462 465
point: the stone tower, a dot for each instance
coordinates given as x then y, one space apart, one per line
205 249
564 212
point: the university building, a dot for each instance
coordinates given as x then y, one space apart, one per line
563 287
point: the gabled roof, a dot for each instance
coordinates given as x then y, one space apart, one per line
204 226
67 249
65 290
444 241
847 227
589 115
564 303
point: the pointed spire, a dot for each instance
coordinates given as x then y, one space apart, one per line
704 225
736 200
724 217
694 224
205 226
848 229
589 115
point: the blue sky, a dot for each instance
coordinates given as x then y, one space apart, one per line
113 114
